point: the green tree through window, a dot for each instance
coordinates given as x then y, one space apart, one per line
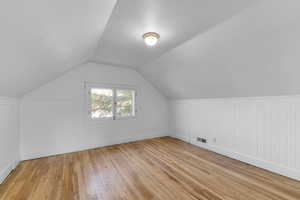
112 103
102 103
125 103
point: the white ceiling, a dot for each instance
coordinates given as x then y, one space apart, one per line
176 22
41 39
255 53
208 48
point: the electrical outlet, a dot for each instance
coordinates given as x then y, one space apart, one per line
215 140
203 140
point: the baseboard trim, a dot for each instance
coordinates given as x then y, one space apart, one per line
84 148
267 165
7 170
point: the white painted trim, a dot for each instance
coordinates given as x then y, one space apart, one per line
182 137
4 101
8 101
258 98
270 166
114 87
7 170
123 141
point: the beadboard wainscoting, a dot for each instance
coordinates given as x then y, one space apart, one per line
4 173
9 136
262 131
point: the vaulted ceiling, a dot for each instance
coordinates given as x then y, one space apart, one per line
208 48
176 21
40 39
255 53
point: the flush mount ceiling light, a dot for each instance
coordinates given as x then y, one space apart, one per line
151 38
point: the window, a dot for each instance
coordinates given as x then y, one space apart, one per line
124 103
101 103
111 103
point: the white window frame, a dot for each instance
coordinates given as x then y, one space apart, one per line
114 88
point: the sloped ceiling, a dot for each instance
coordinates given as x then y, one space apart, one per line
175 20
208 48
40 39
255 53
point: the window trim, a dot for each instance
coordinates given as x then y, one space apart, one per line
114 87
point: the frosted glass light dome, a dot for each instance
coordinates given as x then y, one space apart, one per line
151 38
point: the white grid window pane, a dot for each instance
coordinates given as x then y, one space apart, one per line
101 103
125 103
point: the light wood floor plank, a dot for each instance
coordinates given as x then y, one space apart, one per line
156 169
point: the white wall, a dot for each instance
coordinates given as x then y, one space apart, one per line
54 117
9 135
262 131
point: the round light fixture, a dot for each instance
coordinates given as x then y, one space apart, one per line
151 38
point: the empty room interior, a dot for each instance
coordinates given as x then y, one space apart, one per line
150 100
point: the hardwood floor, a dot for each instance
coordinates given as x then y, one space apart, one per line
162 168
